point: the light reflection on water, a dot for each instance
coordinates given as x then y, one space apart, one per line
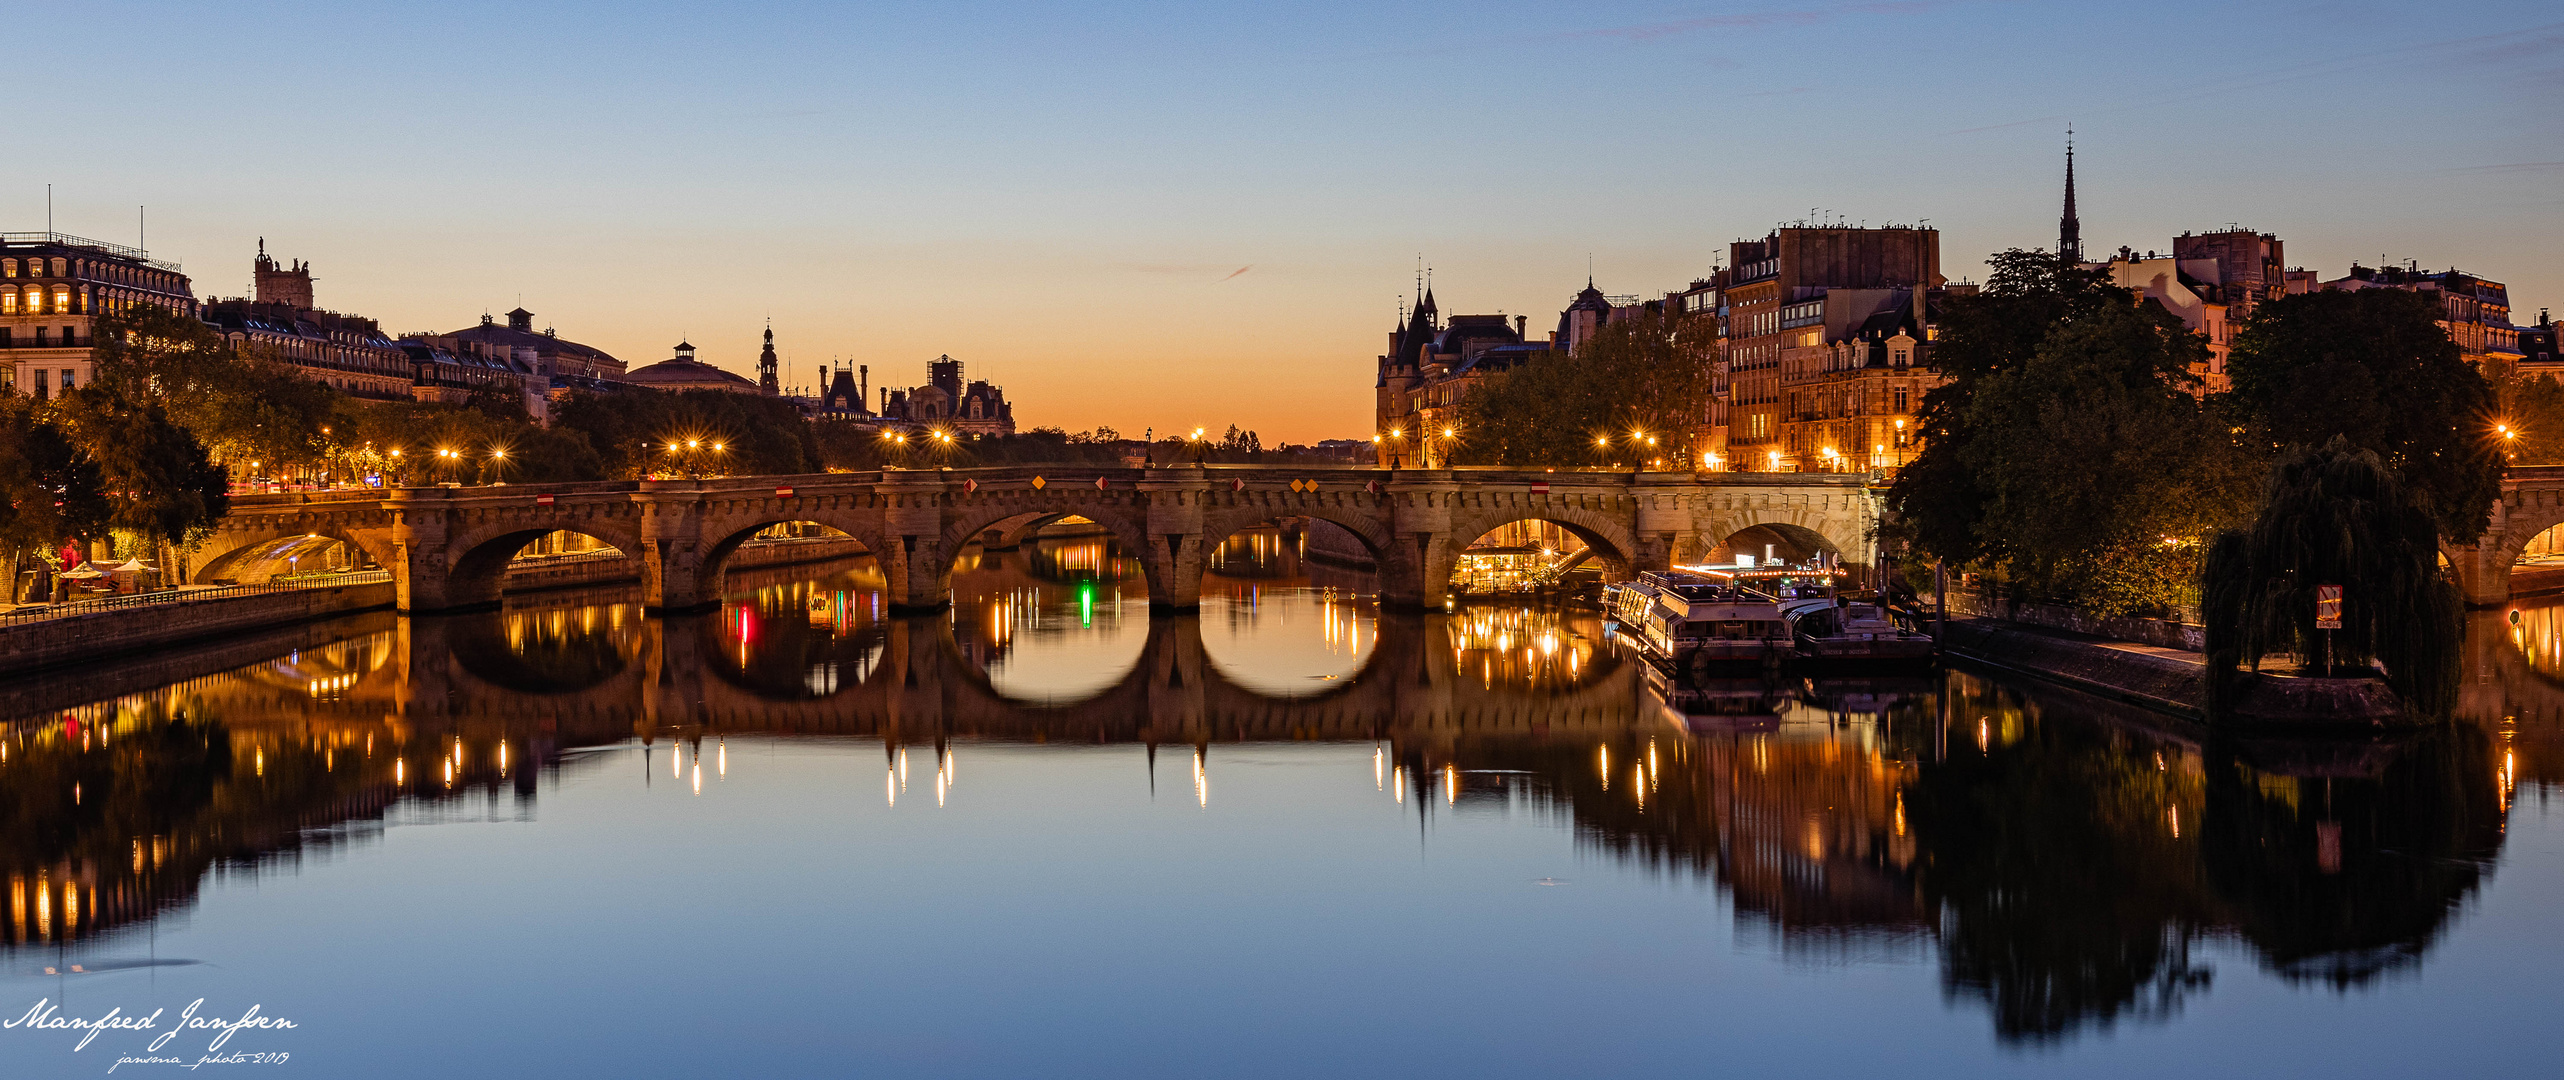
1547 843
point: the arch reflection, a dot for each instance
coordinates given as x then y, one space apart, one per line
2063 864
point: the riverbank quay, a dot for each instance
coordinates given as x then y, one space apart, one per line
71 635
2170 680
79 634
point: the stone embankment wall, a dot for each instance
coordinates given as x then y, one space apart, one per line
2176 682
2161 632
47 644
75 639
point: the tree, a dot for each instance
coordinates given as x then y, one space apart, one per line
2374 366
2070 449
2338 515
2531 408
1649 374
631 429
244 407
49 490
1940 509
158 479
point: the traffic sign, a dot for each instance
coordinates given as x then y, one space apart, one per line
2327 607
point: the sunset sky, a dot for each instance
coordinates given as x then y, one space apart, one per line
1177 214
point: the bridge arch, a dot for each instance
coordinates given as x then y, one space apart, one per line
1801 529
251 556
1779 540
713 568
478 573
1126 528
1607 535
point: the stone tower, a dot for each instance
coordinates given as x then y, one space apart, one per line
767 382
278 284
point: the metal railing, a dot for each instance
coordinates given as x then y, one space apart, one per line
68 240
30 613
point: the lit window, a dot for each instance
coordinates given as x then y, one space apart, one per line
61 298
8 301
8 267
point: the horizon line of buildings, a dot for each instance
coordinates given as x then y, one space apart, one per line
54 286
1824 336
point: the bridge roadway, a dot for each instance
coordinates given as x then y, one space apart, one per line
448 548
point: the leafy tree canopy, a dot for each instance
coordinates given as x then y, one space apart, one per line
2374 366
1650 374
630 430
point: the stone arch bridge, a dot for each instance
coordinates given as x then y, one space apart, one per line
2532 502
448 548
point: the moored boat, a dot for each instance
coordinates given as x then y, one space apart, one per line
1685 620
1852 632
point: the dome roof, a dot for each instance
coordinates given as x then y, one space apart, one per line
687 375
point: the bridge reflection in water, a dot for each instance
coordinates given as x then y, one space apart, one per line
2061 860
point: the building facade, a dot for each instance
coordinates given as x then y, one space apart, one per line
2538 348
949 402
1773 298
2475 310
282 323
1851 379
1432 365
568 362
52 289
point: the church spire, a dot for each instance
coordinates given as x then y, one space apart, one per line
2069 227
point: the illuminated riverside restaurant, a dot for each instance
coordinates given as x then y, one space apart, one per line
1526 558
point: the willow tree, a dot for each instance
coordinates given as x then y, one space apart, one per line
2337 515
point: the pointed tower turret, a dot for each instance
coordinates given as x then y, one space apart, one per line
2069 227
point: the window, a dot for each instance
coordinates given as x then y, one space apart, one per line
61 298
61 268
8 267
66 380
1901 399
40 337
40 384
8 301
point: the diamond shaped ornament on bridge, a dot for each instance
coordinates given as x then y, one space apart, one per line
1039 483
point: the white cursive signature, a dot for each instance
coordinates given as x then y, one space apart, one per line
44 1016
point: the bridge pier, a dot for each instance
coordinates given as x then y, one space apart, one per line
1178 545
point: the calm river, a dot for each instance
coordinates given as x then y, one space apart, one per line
1050 835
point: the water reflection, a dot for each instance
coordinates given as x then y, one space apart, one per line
2065 864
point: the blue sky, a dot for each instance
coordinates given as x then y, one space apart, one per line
1062 195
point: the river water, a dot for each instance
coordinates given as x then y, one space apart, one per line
1049 834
